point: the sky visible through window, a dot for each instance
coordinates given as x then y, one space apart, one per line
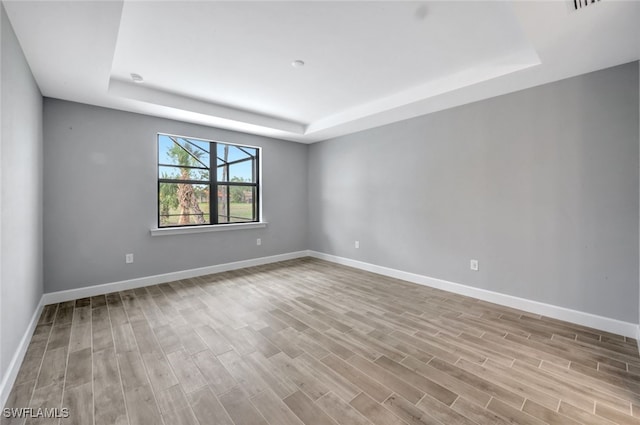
242 171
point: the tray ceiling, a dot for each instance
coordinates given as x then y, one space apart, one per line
229 64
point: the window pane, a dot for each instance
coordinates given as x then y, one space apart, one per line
242 206
181 173
183 151
230 153
241 172
236 204
238 172
183 204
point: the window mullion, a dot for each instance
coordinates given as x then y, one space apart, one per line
213 180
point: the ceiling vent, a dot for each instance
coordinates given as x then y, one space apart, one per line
579 4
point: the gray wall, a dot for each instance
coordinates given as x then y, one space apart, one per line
541 186
100 199
21 199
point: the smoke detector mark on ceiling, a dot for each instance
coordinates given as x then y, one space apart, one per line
421 12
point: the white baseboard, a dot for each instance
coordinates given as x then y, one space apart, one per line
90 291
615 326
12 371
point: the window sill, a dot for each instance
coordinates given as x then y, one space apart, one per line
204 229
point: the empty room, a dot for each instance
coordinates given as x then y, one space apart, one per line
320 212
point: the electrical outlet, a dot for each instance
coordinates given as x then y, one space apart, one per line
357 244
474 265
258 241
128 258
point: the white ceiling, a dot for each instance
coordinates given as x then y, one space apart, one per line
228 64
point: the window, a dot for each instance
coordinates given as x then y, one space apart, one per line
202 182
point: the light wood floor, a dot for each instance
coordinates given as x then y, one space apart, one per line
309 342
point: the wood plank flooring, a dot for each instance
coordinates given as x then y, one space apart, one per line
310 342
